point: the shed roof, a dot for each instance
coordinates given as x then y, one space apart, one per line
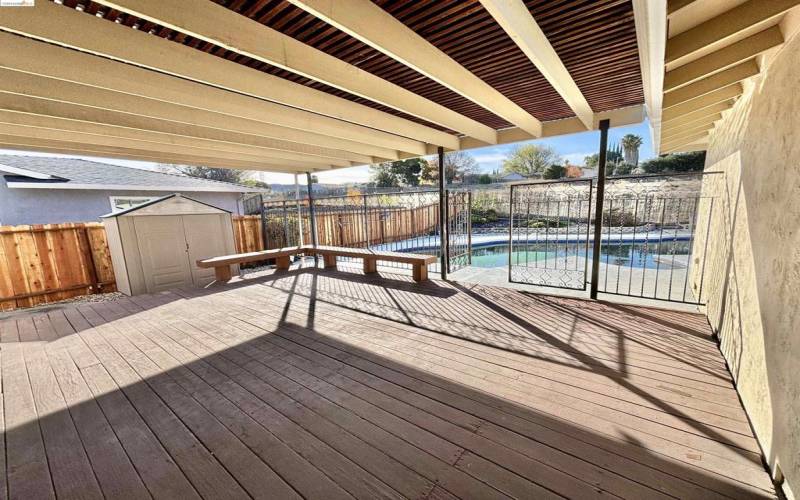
180 205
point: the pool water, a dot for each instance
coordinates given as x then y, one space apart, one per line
644 255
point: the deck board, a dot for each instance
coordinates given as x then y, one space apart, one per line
326 384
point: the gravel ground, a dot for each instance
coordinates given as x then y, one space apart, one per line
80 299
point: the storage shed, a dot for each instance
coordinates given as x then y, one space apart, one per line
155 246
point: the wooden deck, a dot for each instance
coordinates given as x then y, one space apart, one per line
335 385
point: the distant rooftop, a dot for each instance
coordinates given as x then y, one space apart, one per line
67 173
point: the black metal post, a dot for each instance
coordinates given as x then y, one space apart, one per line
312 215
445 257
598 211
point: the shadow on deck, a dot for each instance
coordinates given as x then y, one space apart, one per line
322 384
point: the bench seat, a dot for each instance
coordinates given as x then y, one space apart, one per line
222 264
419 262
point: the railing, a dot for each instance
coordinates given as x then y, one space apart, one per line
649 229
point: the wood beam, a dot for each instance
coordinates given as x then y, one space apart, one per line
297 140
688 125
121 134
372 25
711 83
25 84
63 26
674 6
225 28
516 19
699 145
699 114
724 26
651 32
724 58
47 60
688 132
629 115
666 146
64 147
715 97
157 147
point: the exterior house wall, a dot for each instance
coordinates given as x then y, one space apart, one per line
51 206
753 287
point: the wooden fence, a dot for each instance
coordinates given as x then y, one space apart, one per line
47 263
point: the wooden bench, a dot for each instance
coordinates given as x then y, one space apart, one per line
222 264
419 262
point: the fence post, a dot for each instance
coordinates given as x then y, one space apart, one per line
264 236
92 264
598 211
286 225
469 228
366 220
312 216
444 257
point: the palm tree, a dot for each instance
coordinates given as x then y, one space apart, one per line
630 144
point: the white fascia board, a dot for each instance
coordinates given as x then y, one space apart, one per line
124 187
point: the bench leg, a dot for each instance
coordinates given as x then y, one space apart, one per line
330 261
282 262
222 273
420 272
370 266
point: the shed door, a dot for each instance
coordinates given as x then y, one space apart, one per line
205 238
162 246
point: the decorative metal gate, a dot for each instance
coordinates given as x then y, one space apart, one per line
548 240
650 246
459 229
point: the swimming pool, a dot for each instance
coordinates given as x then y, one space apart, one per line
644 255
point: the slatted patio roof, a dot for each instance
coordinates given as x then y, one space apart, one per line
308 85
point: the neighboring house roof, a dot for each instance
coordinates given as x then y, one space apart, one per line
38 172
513 176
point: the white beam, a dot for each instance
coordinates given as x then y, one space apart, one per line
225 28
630 115
25 84
704 101
64 147
723 27
47 60
122 134
651 32
711 83
292 140
369 23
724 58
515 18
66 27
157 147
698 114
683 125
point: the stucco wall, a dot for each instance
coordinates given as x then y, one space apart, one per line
51 206
753 287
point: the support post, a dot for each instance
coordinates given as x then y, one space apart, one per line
299 212
598 210
366 220
312 216
444 257
264 235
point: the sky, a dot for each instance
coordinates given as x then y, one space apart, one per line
574 147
